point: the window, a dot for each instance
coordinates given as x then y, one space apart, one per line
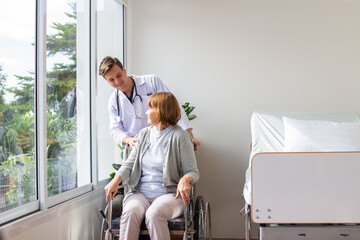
110 42
17 109
45 101
67 88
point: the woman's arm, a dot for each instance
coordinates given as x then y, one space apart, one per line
187 158
189 167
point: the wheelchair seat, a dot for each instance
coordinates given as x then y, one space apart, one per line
176 224
192 225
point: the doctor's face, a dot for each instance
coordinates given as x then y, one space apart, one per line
118 79
152 116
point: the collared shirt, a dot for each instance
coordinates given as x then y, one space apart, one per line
125 122
151 182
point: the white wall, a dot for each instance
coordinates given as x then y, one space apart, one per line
231 57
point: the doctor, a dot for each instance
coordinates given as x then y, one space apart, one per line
127 105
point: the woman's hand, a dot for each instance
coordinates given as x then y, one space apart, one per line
112 187
184 189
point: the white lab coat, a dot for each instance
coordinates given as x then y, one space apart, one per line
129 125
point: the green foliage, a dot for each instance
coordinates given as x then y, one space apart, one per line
60 81
62 169
112 175
62 173
9 145
122 152
64 41
23 167
62 78
117 166
23 94
188 109
2 88
17 119
25 130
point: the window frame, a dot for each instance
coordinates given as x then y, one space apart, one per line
43 201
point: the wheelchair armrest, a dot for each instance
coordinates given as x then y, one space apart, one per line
114 207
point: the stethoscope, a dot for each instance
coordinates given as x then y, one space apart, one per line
137 116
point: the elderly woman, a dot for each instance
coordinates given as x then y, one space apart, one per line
159 172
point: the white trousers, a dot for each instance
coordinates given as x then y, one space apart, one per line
156 212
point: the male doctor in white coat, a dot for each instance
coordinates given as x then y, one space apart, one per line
128 104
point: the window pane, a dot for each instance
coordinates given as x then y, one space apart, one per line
110 34
68 131
17 65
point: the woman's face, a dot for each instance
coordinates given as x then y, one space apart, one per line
152 116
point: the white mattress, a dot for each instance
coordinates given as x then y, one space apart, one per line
268 133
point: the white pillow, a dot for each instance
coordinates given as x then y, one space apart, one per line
308 136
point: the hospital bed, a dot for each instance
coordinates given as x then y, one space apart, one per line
304 176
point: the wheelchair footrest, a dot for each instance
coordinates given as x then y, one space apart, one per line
174 224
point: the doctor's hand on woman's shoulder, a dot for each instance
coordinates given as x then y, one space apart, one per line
112 187
130 140
194 140
196 143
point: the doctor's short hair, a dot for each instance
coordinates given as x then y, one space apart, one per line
107 63
166 106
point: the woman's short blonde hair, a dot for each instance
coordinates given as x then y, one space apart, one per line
166 106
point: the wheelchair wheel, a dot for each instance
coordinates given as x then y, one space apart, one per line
108 235
207 221
202 220
105 233
190 214
104 225
199 223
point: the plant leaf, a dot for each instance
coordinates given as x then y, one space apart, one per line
121 148
190 110
185 105
191 117
116 166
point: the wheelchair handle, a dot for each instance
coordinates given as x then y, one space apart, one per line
102 213
108 219
104 216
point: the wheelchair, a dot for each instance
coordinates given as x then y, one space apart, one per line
195 224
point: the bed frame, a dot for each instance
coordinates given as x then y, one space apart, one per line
301 195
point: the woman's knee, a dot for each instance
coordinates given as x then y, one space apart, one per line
134 212
134 208
155 215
